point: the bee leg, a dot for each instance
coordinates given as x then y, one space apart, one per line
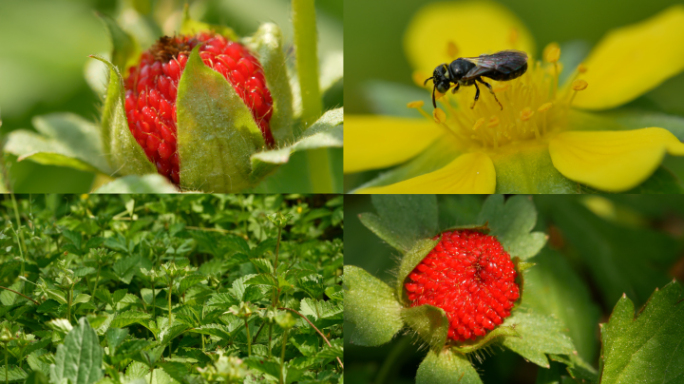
455 89
477 95
490 90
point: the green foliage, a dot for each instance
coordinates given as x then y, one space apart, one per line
165 289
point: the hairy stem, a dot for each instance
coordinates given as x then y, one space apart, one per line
20 294
314 327
270 339
18 234
70 296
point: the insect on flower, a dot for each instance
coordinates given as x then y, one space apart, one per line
466 71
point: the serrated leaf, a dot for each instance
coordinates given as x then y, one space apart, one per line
446 367
262 279
63 139
536 336
263 265
511 223
402 220
648 348
371 306
312 285
12 374
81 298
10 298
119 294
216 131
190 280
79 359
127 318
429 322
126 268
553 288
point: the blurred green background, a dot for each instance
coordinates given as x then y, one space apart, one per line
44 48
599 248
375 63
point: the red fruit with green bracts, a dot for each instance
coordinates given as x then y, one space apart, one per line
471 277
151 89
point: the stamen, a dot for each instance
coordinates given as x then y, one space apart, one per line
415 104
439 115
582 68
545 107
552 53
478 123
577 85
493 122
452 50
526 114
419 79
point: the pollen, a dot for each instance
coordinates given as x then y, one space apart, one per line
535 106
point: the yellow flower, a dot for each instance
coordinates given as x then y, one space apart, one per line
545 139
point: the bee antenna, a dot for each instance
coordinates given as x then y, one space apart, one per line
434 103
428 79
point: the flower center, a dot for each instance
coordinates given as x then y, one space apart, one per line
533 106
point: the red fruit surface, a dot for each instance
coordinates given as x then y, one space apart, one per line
471 277
152 87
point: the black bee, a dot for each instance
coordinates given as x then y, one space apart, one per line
500 66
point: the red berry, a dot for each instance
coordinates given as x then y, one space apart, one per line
471 277
152 86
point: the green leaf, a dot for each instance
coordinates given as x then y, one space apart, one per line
130 317
123 153
267 43
63 139
153 183
10 298
189 281
553 288
446 367
621 259
48 306
648 348
216 131
262 279
119 294
324 133
114 338
371 306
511 223
126 268
531 171
218 330
411 259
79 359
537 335
13 374
402 220
429 322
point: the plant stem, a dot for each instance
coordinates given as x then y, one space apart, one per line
275 264
314 327
389 363
249 339
305 40
154 302
282 356
270 338
6 365
70 294
18 234
151 374
20 294
97 279
170 287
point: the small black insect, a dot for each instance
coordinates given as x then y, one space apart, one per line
500 66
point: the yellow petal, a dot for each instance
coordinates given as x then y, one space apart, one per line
469 173
633 60
372 142
442 32
612 161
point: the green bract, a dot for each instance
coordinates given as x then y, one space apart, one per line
412 224
220 146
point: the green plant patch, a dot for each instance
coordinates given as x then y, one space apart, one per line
171 289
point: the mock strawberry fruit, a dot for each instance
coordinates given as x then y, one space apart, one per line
151 88
471 277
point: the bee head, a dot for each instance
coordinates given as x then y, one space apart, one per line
440 79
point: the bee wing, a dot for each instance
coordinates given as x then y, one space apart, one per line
504 62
